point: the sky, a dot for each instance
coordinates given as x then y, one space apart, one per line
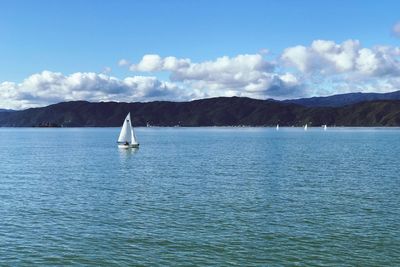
53 51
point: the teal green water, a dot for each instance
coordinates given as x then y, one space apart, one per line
200 197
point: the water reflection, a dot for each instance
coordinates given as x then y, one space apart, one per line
126 153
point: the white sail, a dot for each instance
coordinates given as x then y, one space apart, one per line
126 131
133 135
305 127
127 137
325 127
277 127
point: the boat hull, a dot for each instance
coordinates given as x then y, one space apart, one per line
128 146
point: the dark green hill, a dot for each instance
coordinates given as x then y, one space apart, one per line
343 99
221 111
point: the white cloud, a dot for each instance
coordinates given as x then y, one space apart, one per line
331 68
152 63
396 29
298 57
370 85
242 75
348 58
322 56
148 63
322 68
51 87
123 62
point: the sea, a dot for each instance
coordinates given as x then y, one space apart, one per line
200 197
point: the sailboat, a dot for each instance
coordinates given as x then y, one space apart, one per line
127 137
325 127
305 127
277 127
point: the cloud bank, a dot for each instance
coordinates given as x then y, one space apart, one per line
328 58
345 67
324 67
242 75
51 87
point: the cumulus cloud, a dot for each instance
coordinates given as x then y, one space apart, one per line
349 58
123 62
324 67
332 68
51 87
243 75
152 63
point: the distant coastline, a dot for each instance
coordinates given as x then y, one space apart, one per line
220 111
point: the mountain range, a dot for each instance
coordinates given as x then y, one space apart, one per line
219 111
341 100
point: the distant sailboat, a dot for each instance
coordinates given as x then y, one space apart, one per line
127 138
305 127
277 127
325 127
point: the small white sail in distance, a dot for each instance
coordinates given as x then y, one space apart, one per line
325 127
127 137
277 127
305 127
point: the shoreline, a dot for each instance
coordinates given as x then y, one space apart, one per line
209 127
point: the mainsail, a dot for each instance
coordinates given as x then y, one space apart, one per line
127 135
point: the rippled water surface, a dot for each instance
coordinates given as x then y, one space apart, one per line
200 196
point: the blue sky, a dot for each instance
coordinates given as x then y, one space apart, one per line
91 37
